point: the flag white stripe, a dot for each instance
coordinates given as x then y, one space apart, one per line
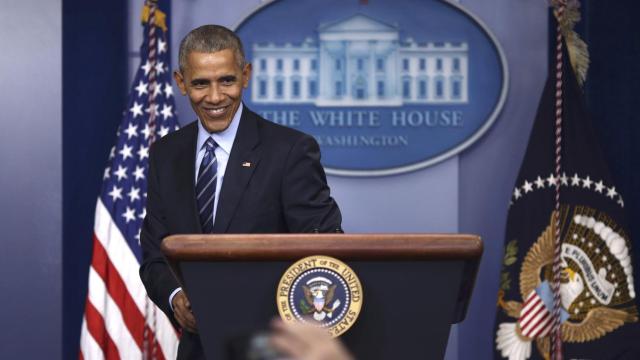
113 321
546 330
532 300
166 335
526 321
542 326
119 254
127 265
88 345
535 323
117 300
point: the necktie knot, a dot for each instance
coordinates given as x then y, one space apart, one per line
210 144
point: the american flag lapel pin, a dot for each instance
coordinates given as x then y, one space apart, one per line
246 164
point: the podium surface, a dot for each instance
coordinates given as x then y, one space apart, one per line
414 286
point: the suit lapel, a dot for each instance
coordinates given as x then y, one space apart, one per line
242 162
185 178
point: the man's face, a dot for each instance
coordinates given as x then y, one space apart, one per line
214 83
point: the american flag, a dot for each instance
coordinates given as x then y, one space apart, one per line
120 322
536 316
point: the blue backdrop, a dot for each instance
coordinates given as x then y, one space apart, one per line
60 117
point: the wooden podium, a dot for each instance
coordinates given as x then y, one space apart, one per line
414 285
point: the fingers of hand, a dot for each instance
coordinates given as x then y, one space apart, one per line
311 334
287 338
304 333
180 318
288 345
185 301
186 319
190 321
182 312
178 299
306 342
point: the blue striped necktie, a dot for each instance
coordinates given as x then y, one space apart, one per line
206 186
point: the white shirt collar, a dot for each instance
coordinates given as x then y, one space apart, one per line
225 138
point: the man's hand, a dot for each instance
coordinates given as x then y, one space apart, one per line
305 342
182 312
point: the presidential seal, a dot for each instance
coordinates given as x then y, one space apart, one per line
596 291
321 291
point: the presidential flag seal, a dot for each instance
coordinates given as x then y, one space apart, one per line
597 288
321 291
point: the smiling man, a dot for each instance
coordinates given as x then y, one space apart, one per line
230 171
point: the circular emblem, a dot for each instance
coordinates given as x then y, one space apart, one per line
597 293
321 291
386 88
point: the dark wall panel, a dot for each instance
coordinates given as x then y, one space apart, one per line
613 94
94 93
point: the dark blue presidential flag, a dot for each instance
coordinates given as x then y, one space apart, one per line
597 305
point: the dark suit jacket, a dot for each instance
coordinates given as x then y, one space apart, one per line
283 190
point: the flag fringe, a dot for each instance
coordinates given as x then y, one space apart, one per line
577 48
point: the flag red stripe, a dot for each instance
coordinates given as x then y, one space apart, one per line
158 352
542 324
153 346
536 308
529 303
546 329
132 317
527 324
546 315
535 322
97 329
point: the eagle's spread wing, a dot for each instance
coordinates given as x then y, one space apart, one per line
544 347
512 308
598 322
330 294
307 294
540 254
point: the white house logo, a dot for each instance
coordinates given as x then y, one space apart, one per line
360 61
385 88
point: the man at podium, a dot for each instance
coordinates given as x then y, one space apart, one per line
230 171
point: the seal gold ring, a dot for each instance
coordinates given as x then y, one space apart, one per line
321 291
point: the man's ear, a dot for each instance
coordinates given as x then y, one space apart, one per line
177 75
246 75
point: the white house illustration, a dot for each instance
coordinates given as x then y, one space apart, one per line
360 61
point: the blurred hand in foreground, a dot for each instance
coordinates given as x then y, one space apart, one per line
300 341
